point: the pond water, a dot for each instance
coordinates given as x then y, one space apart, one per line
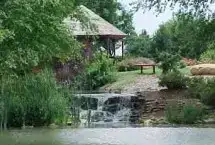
111 136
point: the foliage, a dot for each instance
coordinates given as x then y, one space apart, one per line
209 55
187 113
128 64
34 100
208 93
196 86
162 40
203 89
168 62
173 80
139 45
191 35
32 33
184 35
113 12
99 72
197 7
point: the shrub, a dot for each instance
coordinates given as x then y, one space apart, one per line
128 64
168 62
173 80
208 93
182 65
125 65
196 86
184 113
99 72
203 89
34 99
209 55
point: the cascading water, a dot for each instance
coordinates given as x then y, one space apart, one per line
104 110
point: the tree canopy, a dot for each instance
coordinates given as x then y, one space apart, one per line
112 11
139 45
32 32
185 34
193 6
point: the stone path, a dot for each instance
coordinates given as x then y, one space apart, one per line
143 83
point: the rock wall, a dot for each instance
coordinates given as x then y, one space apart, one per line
147 107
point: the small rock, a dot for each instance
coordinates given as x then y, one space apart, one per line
53 126
209 121
27 127
148 122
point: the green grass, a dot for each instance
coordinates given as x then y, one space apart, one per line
129 77
123 79
149 71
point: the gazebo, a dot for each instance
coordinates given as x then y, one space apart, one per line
96 27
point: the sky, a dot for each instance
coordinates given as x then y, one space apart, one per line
148 20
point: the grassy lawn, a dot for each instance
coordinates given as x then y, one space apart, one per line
123 79
149 71
129 77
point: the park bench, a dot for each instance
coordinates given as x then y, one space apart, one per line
146 65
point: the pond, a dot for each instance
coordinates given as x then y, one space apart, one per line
111 136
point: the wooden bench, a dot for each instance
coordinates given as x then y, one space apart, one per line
146 65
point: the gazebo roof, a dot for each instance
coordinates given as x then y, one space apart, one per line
98 26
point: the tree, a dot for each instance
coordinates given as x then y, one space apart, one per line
31 34
163 40
192 35
184 34
139 45
193 6
124 20
112 11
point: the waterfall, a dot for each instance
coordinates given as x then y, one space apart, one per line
105 110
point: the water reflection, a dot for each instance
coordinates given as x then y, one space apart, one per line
111 136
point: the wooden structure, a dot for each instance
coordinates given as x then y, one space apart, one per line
96 28
93 28
146 65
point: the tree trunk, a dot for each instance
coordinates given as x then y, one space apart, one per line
23 119
1 123
5 119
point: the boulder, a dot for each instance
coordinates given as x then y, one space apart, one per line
203 69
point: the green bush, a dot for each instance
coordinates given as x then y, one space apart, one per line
168 62
173 80
196 86
208 93
203 89
34 100
184 113
98 73
209 55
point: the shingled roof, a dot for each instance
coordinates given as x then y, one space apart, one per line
100 27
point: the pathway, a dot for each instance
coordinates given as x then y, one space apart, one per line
143 83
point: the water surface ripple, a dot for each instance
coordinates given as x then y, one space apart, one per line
113 136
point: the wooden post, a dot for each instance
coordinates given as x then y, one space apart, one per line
122 48
154 69
114 51
88 113
108 46
89 118
114 48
